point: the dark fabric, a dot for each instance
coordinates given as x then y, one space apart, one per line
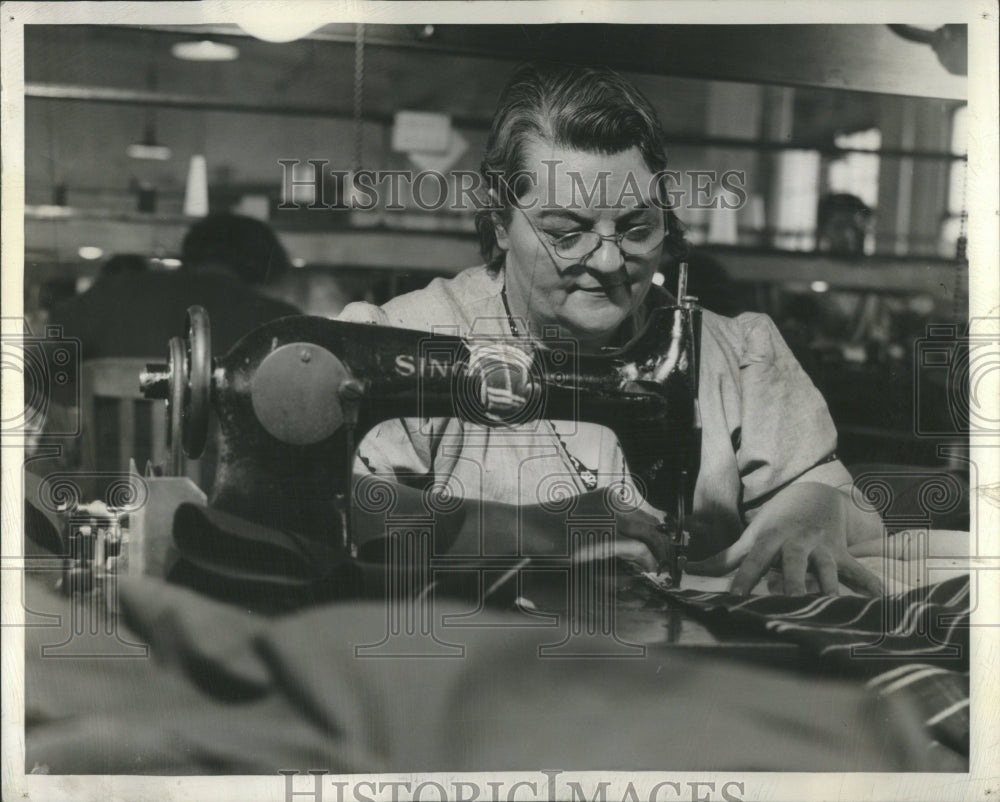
262 569
181 684
914 644
164 680
273 571
242 550
136 314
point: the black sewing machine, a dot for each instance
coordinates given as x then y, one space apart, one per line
294 396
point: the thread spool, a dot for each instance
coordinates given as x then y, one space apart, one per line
196 191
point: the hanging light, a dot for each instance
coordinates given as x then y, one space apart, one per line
279 22
90 252
148 147
204 50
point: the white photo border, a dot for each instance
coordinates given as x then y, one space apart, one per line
984 247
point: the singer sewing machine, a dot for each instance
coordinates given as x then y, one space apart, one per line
296 395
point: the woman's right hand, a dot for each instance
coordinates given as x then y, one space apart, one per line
638 535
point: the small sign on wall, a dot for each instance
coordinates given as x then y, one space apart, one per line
421 131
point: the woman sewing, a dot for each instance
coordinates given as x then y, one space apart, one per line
560 256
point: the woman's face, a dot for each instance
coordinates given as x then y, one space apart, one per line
576 191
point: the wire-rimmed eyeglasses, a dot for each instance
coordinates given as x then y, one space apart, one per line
636 241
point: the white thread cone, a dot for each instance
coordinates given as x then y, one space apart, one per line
196 191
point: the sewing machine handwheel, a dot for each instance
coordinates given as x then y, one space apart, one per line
199 382
177 365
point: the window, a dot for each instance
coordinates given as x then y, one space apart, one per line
953 224
796 199
857 173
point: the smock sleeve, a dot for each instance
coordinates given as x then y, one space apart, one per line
786 433
362 312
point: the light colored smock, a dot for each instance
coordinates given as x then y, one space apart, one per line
765 424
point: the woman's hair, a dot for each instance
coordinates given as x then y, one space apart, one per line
585 108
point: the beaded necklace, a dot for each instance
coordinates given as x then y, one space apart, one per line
587 476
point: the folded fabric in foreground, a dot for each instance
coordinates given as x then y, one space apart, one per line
180 684
913 644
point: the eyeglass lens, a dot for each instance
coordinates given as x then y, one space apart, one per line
634 242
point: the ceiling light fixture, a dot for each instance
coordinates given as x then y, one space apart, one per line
205 50
148 147
90 252
279 22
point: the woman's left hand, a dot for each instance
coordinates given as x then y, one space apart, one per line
804 526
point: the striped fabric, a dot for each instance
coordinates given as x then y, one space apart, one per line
914 643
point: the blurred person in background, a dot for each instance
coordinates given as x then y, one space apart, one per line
226 261
122 263
843 222
132 310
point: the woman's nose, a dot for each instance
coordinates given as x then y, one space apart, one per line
608 258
